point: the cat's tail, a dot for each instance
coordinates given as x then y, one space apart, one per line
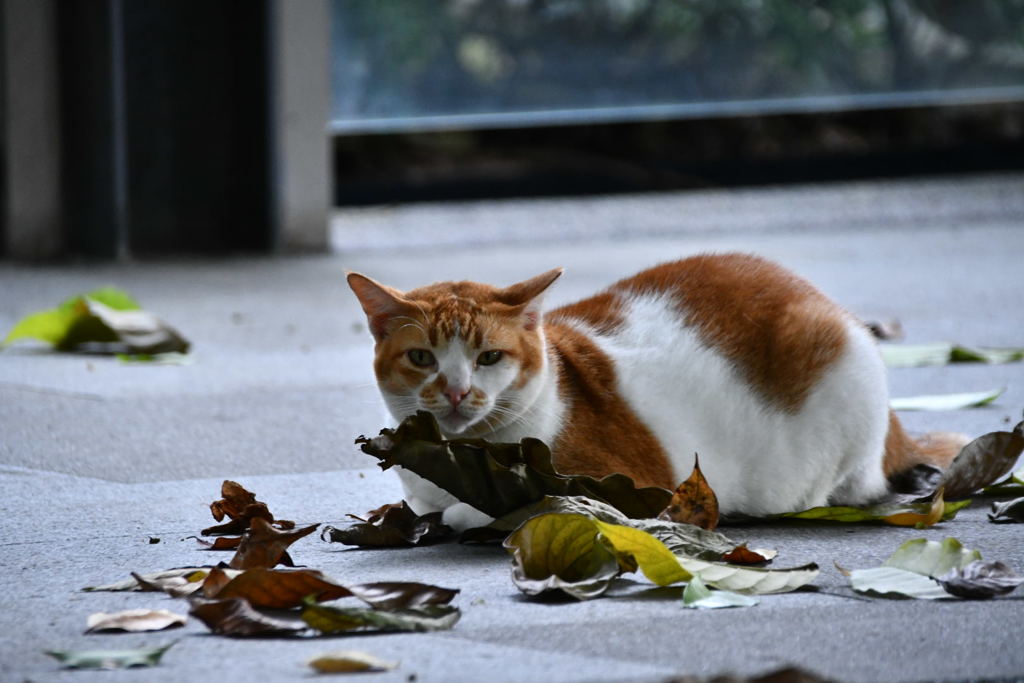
903 453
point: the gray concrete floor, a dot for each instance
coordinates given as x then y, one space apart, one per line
96 457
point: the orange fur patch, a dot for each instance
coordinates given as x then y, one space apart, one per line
601 434
776 328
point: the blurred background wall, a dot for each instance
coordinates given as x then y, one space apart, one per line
154 127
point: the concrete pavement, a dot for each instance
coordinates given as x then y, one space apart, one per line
97 457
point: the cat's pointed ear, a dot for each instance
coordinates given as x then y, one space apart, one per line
380 303
527 296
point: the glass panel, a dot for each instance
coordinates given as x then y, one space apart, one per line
428 64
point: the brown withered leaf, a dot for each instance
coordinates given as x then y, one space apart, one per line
240 507
392 526
219 543
234 502
741 554
279 589
284 589
236 617
134 621
265 546
693 502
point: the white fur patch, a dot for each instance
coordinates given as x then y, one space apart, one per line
757 459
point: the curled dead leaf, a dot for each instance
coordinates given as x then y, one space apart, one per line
694 502
390 526
134 621
240 507
980 580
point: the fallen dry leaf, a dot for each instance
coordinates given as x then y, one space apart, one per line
920 520
390 526
175 586
694 502
741 554
236 617
134 621
980 580
349 661
265 546
241 507
219 543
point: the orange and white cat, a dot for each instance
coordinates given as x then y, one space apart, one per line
781 392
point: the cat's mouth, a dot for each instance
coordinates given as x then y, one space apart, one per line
454 422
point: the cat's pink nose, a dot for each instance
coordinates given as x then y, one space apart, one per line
455 395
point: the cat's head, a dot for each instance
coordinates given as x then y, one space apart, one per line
467 352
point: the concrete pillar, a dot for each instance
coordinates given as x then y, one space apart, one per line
299 103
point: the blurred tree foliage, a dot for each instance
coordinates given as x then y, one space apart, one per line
435 57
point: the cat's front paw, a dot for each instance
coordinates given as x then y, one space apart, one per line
462 516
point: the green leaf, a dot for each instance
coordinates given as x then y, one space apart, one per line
915 355
908 571
499 478
51 326
330 619
554 549
993 356
983 461
561 552
898 583
874 513
109 659
946 401
750 580
104 320
681 538
941 353
931 558
643 550
698 596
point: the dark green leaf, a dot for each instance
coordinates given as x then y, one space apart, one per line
875 513
499 478
104 321
561 552
681 538
983 461
395 527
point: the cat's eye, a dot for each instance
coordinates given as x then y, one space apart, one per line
421 358
488 358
